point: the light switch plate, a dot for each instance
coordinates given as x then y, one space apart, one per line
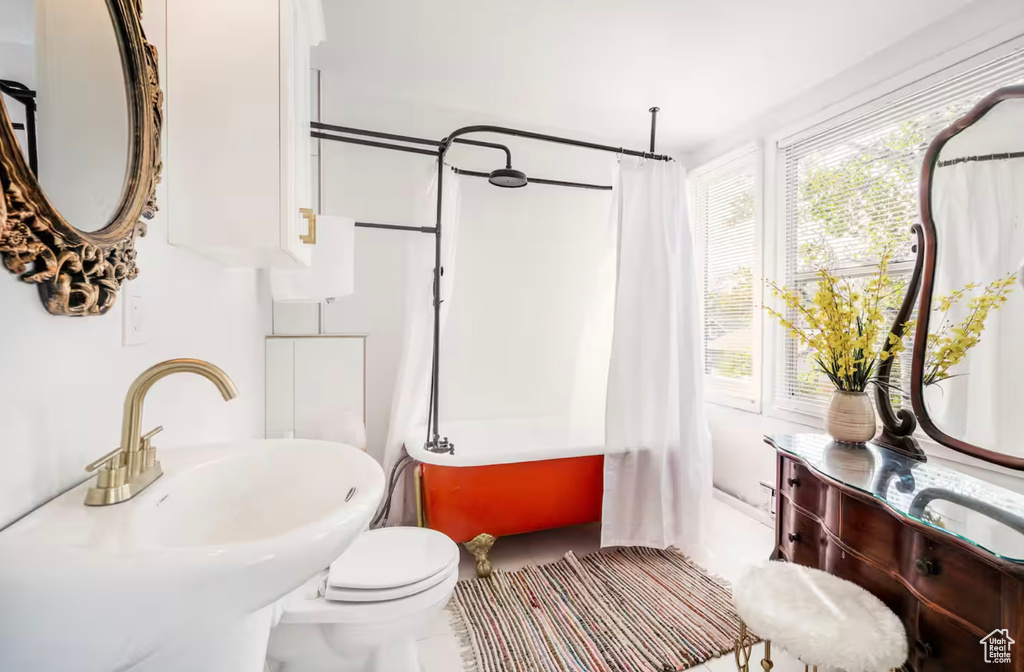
133 324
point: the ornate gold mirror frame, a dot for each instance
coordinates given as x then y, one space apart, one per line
80 273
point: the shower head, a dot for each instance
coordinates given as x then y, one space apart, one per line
508 178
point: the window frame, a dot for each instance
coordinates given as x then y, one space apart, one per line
866 102
714 391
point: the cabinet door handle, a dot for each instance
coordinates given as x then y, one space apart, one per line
925 567
793 481
309 238
794 537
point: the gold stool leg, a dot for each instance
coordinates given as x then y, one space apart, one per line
744 646
479 546
766 662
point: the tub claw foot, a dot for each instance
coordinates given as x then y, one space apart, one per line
479 546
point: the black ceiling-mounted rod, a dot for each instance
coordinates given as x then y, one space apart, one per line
538 180
654 125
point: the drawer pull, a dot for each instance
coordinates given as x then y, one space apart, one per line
925 567
924 649
794 537
793 481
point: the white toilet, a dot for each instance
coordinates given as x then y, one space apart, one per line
362 615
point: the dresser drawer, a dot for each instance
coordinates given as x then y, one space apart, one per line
958 581
943 645
802 487
873 531
801 537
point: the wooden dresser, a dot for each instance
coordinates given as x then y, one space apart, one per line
942 549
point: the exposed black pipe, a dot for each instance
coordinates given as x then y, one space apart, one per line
436 444
538 180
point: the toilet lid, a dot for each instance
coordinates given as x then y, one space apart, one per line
392 557
385 594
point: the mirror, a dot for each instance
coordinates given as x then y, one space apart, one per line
969 376
79 146
67 53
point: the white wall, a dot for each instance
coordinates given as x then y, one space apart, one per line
498 338
64 379
741 460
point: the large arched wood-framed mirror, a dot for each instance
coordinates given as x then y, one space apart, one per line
967 382
80 118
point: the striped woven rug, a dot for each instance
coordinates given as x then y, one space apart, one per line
631 609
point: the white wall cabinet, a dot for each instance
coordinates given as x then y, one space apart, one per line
238 112
316 385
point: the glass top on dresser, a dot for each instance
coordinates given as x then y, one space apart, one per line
979 512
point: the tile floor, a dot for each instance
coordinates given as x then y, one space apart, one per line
735 542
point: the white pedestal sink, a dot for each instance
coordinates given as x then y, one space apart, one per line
228 530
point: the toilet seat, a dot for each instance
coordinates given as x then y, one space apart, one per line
336 594
301 609
386 574
392 557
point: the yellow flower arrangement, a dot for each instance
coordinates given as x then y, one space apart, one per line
843 324
949 343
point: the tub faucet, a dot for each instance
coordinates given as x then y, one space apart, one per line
128 469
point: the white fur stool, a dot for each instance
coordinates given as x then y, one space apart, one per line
819 618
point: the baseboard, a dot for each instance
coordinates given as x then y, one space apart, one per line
746 509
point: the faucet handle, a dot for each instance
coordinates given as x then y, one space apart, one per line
146 438
93 466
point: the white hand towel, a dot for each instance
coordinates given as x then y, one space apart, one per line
332 272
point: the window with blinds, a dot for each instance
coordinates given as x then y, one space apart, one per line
725 197
850 191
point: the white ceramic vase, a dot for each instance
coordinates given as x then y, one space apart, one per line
850 418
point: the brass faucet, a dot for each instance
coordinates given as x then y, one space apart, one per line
128 469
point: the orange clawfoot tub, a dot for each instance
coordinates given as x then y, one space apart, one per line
474 504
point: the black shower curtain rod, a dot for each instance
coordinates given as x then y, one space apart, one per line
435 443
428 152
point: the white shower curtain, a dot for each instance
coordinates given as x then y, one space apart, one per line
409 405
657 480
979 220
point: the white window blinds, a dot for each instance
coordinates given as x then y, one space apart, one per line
851 190
725 197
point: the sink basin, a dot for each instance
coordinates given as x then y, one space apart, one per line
229 529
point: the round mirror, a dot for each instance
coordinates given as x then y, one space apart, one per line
80 114
973 372
67 53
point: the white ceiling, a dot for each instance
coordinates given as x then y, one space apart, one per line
595 66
